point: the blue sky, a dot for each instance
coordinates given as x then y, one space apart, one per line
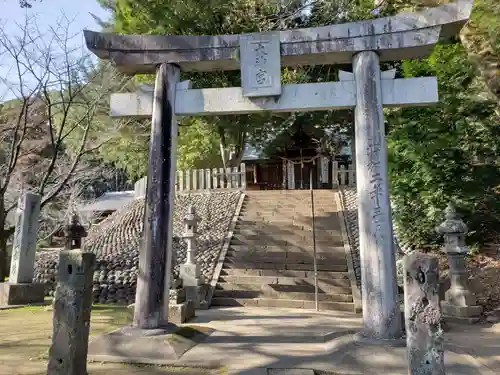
47 12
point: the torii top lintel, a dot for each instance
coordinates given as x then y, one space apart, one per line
400 37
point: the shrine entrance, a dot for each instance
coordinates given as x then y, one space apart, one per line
260 57
295 163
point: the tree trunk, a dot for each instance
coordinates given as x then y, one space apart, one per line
235 159
231 156
4 235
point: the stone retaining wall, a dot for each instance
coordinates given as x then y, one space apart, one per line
350 201
116 243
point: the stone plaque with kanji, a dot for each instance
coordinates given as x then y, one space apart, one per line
260 64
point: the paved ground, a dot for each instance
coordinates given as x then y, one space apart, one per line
254 341
247 340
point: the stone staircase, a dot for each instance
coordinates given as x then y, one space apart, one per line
270 258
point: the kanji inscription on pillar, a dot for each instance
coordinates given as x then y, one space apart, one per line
376 191
260 64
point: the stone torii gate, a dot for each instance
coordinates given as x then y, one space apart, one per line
260 57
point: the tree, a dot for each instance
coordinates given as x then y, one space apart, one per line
448 152
51 128
480 37
205 17
198 146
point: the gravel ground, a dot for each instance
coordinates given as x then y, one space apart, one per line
116 243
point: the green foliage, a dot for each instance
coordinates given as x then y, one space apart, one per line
129 151
437 154
212 17
446 152
198 146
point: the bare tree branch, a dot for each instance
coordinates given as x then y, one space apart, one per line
55 121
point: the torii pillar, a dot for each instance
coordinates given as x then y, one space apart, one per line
381 311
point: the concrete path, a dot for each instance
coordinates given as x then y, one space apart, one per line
253 340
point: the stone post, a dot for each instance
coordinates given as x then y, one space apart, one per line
190 272
152 295
460 302
381 313
74 232
20 289
424 336
72 307
25 235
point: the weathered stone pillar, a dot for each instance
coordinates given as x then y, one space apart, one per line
424 336
460 302
25 235
72 307
381 314
20 289
152 296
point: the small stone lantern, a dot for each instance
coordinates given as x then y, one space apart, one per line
190 234
460 301
190 273
74 232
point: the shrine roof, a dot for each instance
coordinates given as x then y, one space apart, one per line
400 37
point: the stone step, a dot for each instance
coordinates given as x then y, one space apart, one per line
281 238
261 243
287 256
296 194
289 201
324 232
286 212
266 293
270 208
306 281
235 264
273 210
282 303
305 228
295 221
285 284
282 232
342 278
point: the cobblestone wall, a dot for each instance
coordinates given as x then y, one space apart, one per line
116 243
350 201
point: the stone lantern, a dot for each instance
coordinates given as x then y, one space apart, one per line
460 301
190 273
190 234
74 232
